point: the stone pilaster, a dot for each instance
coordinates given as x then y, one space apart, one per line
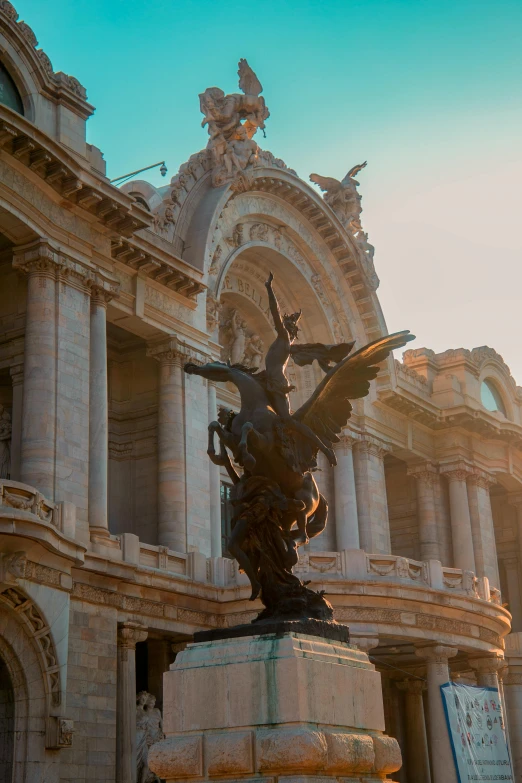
129 634
214 484
417 756
512 683
346 517
98 414
17 380
487 669
482 529
426 476
462 537
443 766
37 454
372 504
172 516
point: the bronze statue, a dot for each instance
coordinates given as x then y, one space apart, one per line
277 504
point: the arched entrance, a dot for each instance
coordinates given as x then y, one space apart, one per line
7 724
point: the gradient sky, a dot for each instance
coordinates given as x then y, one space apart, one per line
428 91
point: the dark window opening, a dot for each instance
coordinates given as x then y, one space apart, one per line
226 517
9 95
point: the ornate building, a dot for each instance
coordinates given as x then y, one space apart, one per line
112 523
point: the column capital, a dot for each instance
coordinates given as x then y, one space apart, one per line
102 293
489 664
437 653
37 258
348 439
171 351
367 444
423 471
481 478
411 686
456 471
129 634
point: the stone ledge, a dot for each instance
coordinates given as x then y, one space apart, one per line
311 627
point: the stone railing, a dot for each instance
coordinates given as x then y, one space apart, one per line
358 566
16 497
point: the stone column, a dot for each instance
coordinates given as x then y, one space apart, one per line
512 571
482 528
346 518
214 483
172 523
372 503
417 757
463 554
37 454
98 415
425 476
513 697
17 379
487 669
443 766
129 634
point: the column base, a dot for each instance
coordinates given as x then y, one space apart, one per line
290 706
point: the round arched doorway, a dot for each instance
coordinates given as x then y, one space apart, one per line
7 724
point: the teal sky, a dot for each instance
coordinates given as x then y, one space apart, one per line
428 91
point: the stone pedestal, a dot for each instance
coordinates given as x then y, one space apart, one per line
288 705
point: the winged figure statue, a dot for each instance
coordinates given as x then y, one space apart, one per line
277 504
342 196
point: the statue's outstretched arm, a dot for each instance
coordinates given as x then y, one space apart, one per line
274 308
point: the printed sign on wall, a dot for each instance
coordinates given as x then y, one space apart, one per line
478 733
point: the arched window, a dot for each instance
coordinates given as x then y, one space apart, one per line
9 95
491 398
141 201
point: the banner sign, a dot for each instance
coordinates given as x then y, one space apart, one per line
477 731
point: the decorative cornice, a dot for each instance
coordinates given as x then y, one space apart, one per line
53 163
162 271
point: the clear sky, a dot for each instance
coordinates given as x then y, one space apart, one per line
428 91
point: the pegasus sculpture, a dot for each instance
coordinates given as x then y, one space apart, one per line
277 504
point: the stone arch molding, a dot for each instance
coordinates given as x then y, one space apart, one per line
253 220
14 600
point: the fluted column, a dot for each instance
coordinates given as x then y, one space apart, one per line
17 380
372 503
463 554
425 476
417 756
172 523
98 415
346 518
129 634
443 766
37 454
484 545
214 482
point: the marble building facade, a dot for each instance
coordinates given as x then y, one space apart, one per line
112 521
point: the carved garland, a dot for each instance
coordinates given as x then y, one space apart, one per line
39 631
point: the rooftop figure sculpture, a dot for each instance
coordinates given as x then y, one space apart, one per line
277 503
342 196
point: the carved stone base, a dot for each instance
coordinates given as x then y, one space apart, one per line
288 706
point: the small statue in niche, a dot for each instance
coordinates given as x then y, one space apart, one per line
149 729
237 346
254 351
5 443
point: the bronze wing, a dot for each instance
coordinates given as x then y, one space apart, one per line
328 409
248 81
306 353
355 170
326 183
